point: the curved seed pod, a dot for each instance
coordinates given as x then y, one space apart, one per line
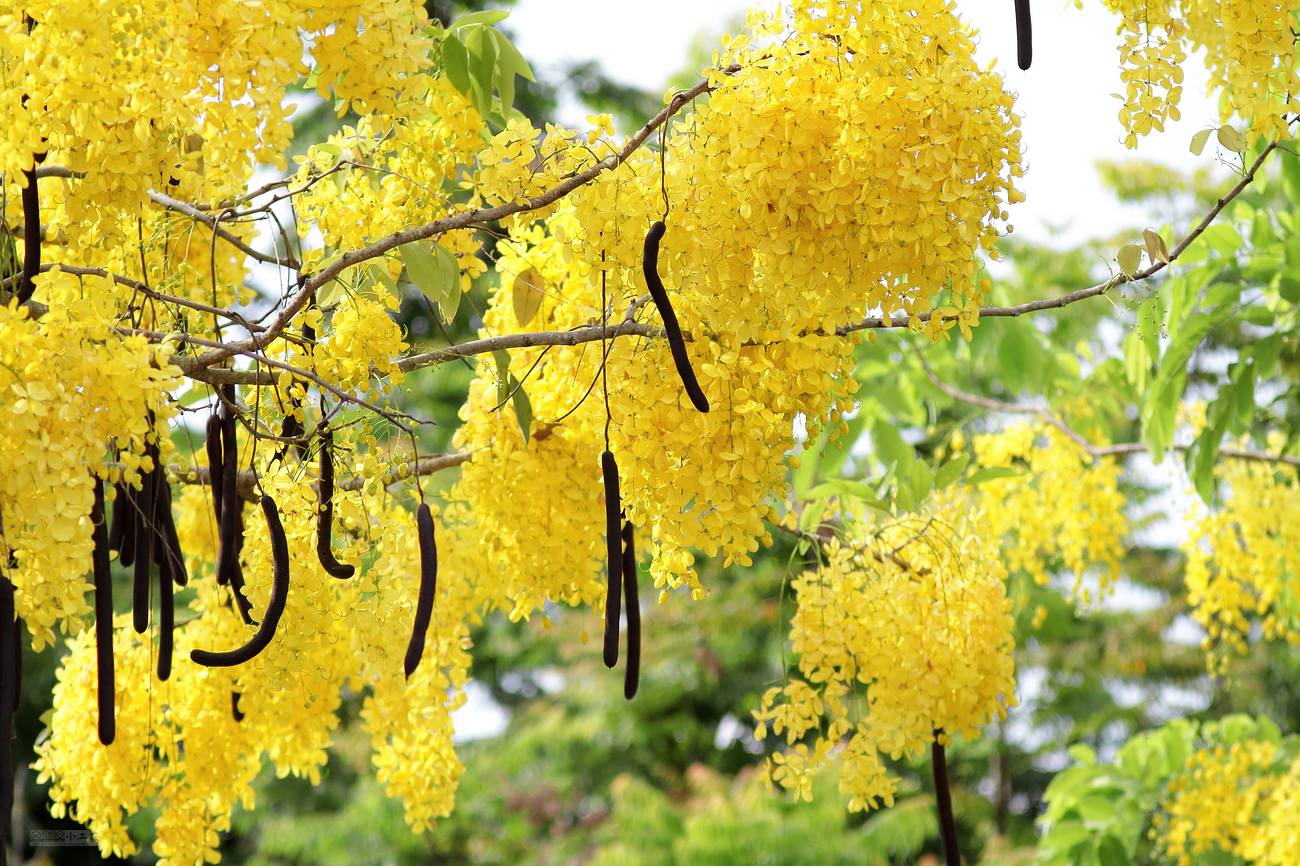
274 609
167 533
613 556
234 707
325 513
428 587
215 474
104 614
650 265
242 603
166 618
632 675
1024 35
228 548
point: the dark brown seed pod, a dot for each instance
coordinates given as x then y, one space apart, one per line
228 546
613 556
325 513
130 523
104 614
1024 35
8 677
144 549
167 533
242 603
291 428
18 664
650 265
274 609
117 530
428 587
632 675
215 474
166 617
234 707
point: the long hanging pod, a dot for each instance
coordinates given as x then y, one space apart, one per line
8 683
166 618
650 265
632 675
1024 35
144 543
227 548
428 587
215 472
325 512
171 542
613 556
274 609
104 615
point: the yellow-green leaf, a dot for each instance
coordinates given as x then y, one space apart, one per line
450 300
1156 249
1231 139
526 294
1198 141
1129 258
423 269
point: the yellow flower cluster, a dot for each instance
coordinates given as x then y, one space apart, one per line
1240 798
1066 506
1250 50
904 637
363 341
68 385
1243 562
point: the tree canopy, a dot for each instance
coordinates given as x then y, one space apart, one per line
776 354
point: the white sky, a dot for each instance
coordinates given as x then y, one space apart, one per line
1070 117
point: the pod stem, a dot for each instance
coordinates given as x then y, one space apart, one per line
943 804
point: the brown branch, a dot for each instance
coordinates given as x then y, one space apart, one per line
1094 450
468 219
211 222
900 321
424 466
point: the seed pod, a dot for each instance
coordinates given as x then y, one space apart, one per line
18 664
631 676
166 618
144 544
167 533
104 613
130 523
291 428
428 587
215 473
1024 35
274 609
242 603
228 547
234 707
325 513
650 265
117 531
8 679
613 556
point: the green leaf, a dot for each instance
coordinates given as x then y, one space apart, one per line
1156 249
1149 328
1290 175
1083 754
455 61
526 296
991 473
1065 836
196 394
1096 810
890 447
1198 141
920 479
523 408
951 471
1220 294
905 498
450 300
422 268
505 75
1020 355
1135 362
1223 239
482 65
1257 315
487 16
517 61
834 459
1129 259
1112 852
